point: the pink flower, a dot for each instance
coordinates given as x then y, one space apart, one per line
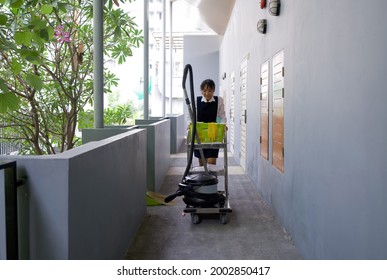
61 34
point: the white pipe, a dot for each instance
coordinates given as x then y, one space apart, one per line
146 60
164 56
170 57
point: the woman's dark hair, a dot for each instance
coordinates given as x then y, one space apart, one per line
207 83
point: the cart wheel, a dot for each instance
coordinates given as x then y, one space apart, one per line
223 218
195 218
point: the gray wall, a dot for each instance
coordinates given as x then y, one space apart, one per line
202 52
158 151
178 132
95 134
332 195
86 203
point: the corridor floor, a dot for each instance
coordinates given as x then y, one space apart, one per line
251 233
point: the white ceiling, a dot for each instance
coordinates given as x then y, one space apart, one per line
202 16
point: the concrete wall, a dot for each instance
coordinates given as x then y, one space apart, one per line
158 151
202 52
332 195
178 132
96 134
86 203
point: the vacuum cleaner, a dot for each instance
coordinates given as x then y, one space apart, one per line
198 189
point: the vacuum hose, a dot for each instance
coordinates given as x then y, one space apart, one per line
187 68
192 109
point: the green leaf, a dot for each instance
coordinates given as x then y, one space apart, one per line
46 9
30 55
36 38
8 102
3 86
16 3
23 38
19 37
34 60
34 81
117 33
50 32
16 67
44 34
37 23
3 19
62 7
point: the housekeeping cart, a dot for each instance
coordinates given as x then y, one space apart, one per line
221 207
199 186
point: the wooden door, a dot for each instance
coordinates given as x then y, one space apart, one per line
278 111
264 100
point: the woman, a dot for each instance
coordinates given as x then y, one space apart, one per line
210 108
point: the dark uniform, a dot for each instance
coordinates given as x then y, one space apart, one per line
207 112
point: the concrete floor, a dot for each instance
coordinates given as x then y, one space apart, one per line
251 233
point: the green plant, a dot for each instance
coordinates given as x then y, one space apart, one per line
117 115
46 67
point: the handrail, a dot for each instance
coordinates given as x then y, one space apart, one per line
9 187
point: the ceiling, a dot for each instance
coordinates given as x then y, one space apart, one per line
197 17
201 16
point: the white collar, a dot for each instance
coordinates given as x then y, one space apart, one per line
205 100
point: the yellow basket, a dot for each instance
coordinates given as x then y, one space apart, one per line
208 132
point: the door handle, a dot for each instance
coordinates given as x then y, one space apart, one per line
244 115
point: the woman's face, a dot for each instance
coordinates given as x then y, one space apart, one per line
208 92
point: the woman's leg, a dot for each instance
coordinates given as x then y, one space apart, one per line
209 161
210 155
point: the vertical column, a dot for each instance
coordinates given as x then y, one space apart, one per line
98 62
146 60
164 55
170 56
